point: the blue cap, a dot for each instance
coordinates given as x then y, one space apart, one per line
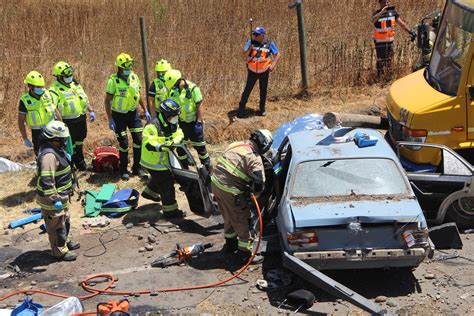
259 30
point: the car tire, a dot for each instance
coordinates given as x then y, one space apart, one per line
461 212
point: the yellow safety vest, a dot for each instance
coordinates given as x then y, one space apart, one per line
39 112
72 101
185 100
161 92
157 160
127 93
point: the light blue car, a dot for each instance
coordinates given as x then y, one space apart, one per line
342 206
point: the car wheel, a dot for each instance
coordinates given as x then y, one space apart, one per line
461 212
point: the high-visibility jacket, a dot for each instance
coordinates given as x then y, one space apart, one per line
188 99
55 178
258 59
72 101
39 112
161 92
170 133
385 28
127 93
237 167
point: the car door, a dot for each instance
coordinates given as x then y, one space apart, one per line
194 183
440 189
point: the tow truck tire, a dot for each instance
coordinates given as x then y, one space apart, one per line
461 212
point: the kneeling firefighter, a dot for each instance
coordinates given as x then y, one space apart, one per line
55 185
239 170
157 140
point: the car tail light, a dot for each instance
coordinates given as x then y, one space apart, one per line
303 239
414 135
421 235
415 236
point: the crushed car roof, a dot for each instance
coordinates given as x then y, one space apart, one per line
321 145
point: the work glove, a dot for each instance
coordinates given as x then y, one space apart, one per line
199 129
28 143
92 116
58 205
148 116
112 124
412 36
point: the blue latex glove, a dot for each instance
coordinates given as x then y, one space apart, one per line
148 116
68 156
198 129
112 124
28 143
92 116
58 205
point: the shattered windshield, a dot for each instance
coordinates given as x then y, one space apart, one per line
452 45
325 178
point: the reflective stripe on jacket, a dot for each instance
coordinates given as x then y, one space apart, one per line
55 177
158 160
72 101
127 93
236 167
258 59
386 31
39 112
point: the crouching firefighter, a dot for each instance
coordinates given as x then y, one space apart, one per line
239 168
55 185
157 140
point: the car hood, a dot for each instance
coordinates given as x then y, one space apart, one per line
413 94
341 213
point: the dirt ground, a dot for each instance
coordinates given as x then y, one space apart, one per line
436 287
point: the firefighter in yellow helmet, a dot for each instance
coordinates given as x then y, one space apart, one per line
55 185
36 109
238 170
73 104
158 92
123 95
189 97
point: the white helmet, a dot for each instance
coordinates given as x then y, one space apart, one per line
55 129
263 139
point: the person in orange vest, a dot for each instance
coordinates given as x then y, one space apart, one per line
261 56
384 20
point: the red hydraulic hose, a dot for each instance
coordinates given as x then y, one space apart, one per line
112 279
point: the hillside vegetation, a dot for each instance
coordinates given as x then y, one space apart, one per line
202 38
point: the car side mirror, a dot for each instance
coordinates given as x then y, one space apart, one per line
471 91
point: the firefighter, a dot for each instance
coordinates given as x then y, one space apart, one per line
36 108
189 98
238 170
261 57
384 20
73 104
55 185
121 102
157 140
157 92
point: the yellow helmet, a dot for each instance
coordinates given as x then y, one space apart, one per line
62 68
34 78
124 61
171 77
162 65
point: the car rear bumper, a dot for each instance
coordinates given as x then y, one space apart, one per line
363 258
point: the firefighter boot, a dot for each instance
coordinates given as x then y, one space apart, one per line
72 245
230 245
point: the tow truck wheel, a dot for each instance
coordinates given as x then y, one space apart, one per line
461 212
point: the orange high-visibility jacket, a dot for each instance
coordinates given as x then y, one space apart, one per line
258 59
385 27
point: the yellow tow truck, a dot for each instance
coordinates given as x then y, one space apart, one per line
435 105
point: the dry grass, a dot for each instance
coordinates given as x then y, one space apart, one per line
202 38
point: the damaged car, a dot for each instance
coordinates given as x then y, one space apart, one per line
340 205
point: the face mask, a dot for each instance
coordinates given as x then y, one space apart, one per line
127 72
174 120
67 79
38 91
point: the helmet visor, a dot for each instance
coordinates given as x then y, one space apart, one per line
127 64
67 72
